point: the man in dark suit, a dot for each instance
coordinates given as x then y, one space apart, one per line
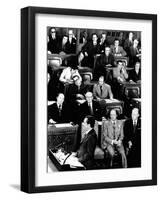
103 42
71 43
76 90
58 111
103 62
90 107
89 50
132 142
88 143
53 42
63 48
135 74
134 53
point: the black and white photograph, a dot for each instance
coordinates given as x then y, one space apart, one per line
93 98
90 99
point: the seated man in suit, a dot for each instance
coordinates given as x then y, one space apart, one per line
76 90
85 152
113 138
134 53
117 50
102 63
135 74
90 107
89 50
132 132
53 42
58 111
120 76
101 90
120 72
71 43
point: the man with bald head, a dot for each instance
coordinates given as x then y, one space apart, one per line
113 138
58 112
132 131
90 107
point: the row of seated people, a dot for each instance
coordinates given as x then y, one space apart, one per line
93 46
123 138
70 82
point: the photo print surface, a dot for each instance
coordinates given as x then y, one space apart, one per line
93 99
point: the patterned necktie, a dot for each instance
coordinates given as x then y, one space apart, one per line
114 127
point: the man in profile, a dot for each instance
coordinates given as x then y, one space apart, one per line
132 132
113 138
88 143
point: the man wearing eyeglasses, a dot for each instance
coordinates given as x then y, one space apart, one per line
53 42
90 107
71 43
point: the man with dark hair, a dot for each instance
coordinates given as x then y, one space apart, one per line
134 53
88 143
103 42
135 74
101 90
89 50
63 49
103 62
53 41
117 50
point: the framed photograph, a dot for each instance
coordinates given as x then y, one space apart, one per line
88 99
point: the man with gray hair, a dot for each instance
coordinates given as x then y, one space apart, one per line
90 107
113 138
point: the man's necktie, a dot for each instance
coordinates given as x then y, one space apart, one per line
114 132
60 108
101 89
134 126
90 108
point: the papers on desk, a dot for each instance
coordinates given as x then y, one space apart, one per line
111 100
73 162
63 125
80 101
137 99
67 159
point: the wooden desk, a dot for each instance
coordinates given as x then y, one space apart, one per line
62 56
62 135
131 90
114 104
65 162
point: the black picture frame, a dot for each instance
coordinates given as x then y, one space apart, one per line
28 98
